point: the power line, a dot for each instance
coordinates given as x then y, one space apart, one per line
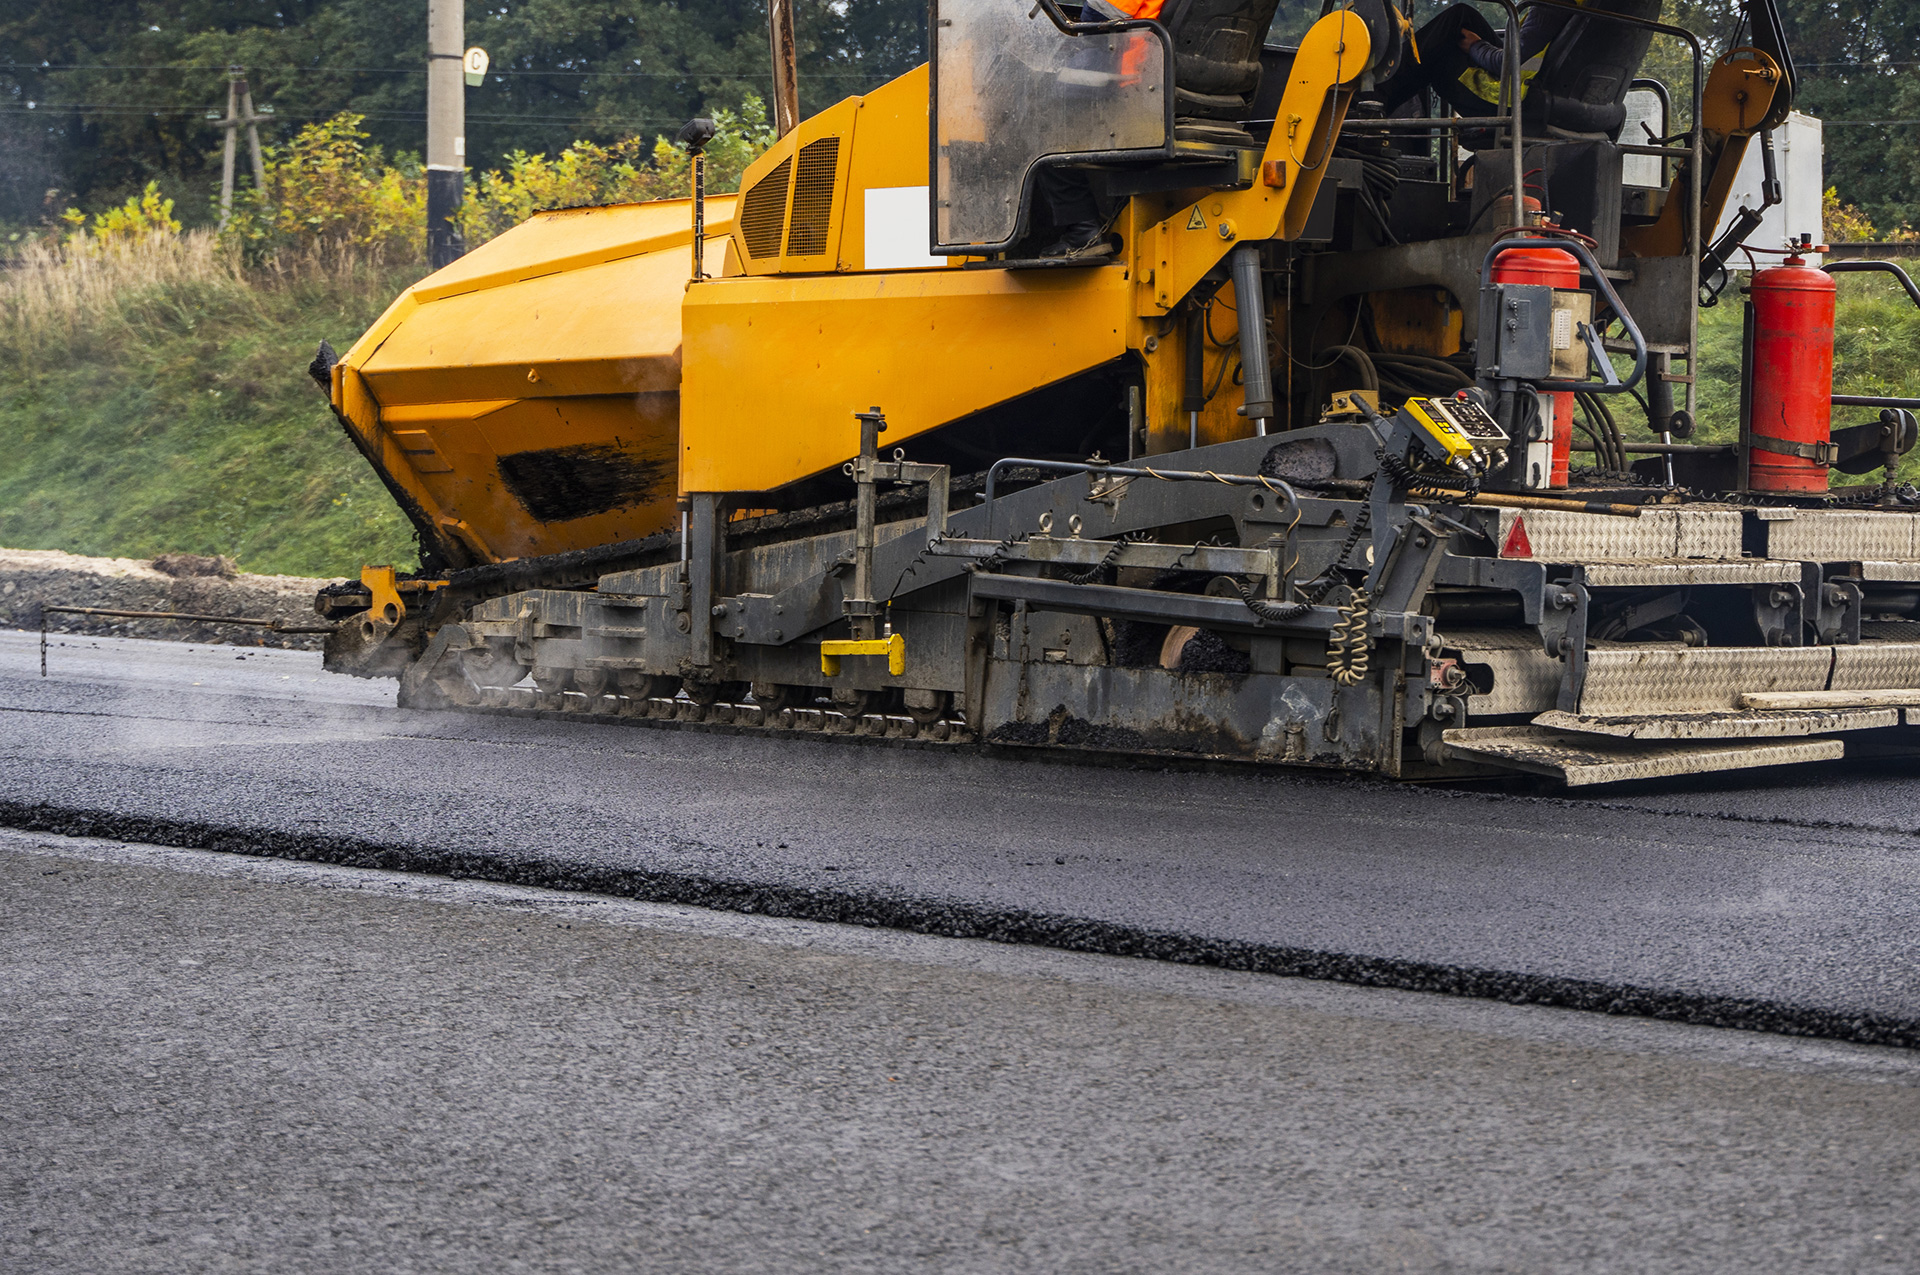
578 119
173 108
402 70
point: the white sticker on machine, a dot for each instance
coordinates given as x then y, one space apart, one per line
899 228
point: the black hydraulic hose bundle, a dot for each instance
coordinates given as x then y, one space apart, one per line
1397 377
1609 446
1379 176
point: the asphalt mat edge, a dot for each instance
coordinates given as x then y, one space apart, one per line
948 919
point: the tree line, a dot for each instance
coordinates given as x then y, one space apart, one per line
98 100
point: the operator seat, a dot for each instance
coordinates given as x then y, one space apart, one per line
1216 66
1578 97
1582 82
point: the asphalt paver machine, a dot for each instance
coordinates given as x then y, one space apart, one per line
1318 455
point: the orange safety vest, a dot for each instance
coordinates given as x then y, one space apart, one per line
1145 10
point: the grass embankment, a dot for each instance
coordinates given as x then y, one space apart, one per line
153 398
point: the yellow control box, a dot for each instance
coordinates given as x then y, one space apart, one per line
1459 424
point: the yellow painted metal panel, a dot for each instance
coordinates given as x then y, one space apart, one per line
558 242
832 128
605 329
559 344
574 238
1182 248
883 147
776 365
891 155
604 465
1737 95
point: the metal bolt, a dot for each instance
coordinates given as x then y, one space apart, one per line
719 610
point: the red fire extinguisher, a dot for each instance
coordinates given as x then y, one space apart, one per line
1789 425
1554 269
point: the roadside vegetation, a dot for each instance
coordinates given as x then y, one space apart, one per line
152 378
153 390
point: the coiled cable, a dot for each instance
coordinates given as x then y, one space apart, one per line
1348 643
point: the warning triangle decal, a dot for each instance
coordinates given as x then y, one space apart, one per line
1517 545
1196 222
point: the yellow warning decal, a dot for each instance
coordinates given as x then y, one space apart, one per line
1196 222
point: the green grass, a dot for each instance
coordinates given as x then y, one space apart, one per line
164 406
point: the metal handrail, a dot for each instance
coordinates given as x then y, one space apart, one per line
1696 137
1053 11
1876 267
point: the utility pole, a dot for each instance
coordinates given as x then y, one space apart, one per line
446 127
240 114
786 74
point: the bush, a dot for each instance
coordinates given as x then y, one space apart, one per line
1844 223
331 198
143 218
629 171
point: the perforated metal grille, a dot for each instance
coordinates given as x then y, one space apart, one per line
763 213
813 198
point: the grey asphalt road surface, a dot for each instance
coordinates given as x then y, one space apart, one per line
1771 901
217 1063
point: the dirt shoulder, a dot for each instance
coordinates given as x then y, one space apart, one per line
33 578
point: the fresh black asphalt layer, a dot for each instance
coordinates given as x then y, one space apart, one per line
1765 901
227 1065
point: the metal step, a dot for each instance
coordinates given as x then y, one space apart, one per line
1655 535
1906 572
1831 699
1740 724
1840 535
1627 679
1581 760
1680 572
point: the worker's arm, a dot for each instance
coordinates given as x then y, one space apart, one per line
1537 30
